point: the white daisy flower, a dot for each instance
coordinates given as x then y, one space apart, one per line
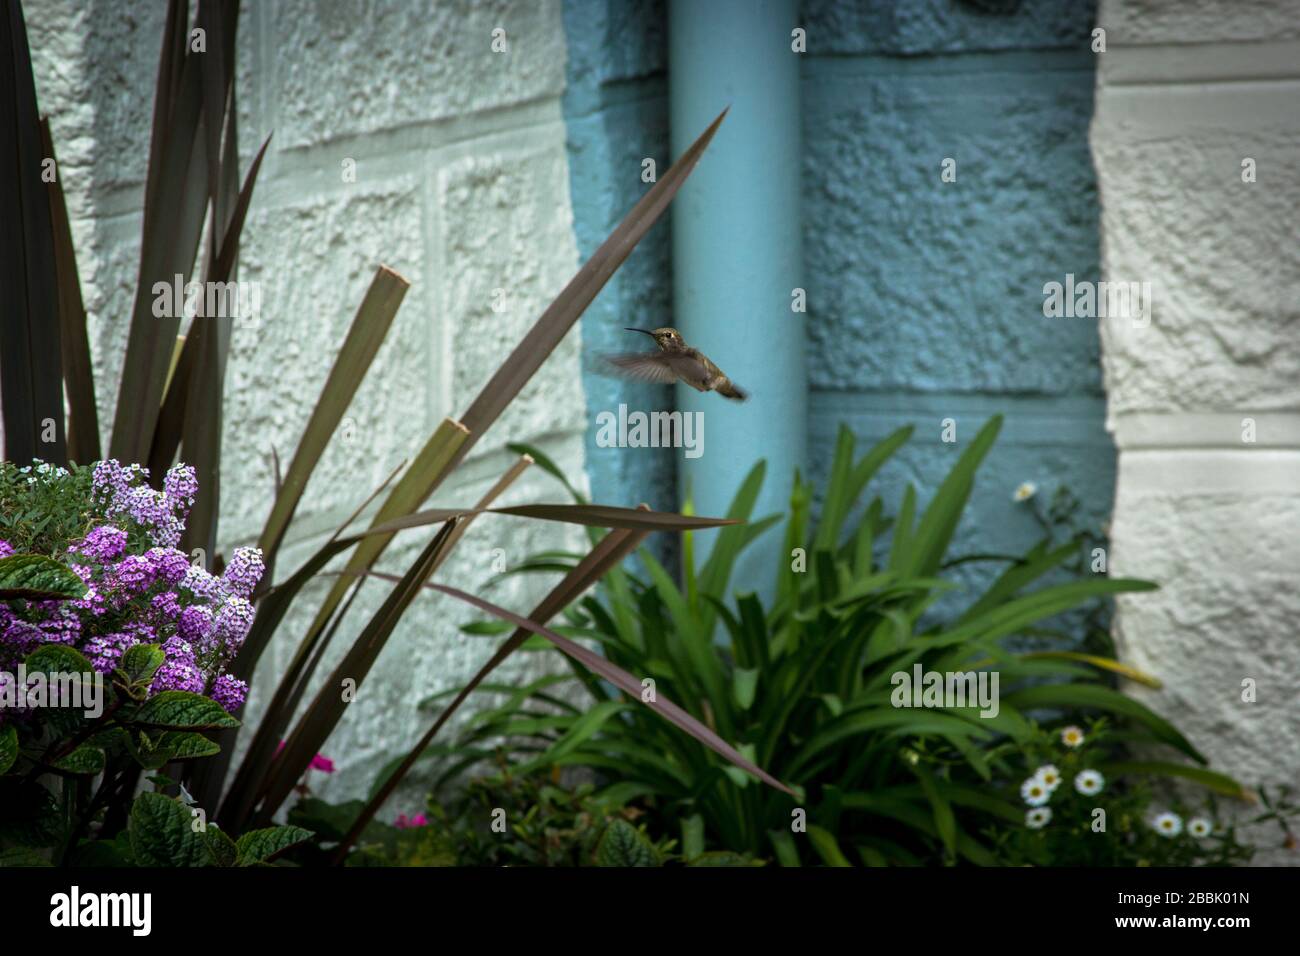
1199 827
1038 817
1089 782
1034 792
1168 824
1026 491
1049 775
1071 736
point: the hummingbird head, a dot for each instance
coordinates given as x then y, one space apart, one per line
666 338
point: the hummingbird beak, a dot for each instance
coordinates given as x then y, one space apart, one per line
643 331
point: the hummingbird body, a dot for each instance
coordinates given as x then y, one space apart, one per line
677 362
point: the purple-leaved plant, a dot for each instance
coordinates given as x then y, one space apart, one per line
141 590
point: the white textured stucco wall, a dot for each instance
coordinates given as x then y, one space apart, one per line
1186 92
461 186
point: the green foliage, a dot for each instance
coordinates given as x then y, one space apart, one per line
34 577
42 516
508 820
805 684
1117 824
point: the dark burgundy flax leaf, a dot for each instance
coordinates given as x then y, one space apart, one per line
78 373
176 198
607 553
31 374
326 709
559 317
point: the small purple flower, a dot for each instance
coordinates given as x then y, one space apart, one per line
195 624
172 565
178 675
244 571
230 692
134 574
64 627
232 624
21 636
204 586
102 544
105 650
166 609
6 548
179 671
181 485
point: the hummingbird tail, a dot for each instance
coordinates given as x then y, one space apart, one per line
730 389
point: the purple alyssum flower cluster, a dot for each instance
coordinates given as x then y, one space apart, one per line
142 590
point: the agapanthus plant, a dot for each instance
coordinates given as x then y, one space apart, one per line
139 588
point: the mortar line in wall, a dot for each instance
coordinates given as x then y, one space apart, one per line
288 165
405 163
1268 83
442 132
615 94
1015 63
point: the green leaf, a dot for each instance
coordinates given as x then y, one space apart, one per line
182 710
57 659
140 663
744 682
692 836
8 747
1218 782
1096 697
223 849
329 820
262 846
85 760
824 843
23 856
623 845
578 733
935 529
162 833
722 858
944 820
187 745
787 854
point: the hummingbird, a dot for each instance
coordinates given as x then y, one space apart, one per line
676 361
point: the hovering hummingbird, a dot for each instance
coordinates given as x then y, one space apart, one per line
676 361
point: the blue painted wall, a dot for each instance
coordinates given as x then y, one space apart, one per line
616 111
924 297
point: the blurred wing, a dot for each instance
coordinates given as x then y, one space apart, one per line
645 367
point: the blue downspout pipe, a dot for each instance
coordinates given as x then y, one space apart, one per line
737 256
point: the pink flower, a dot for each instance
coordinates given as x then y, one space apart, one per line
403 822
323 764
318 762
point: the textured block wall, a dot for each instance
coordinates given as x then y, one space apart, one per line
1205 400
462 185
925 297
616 111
